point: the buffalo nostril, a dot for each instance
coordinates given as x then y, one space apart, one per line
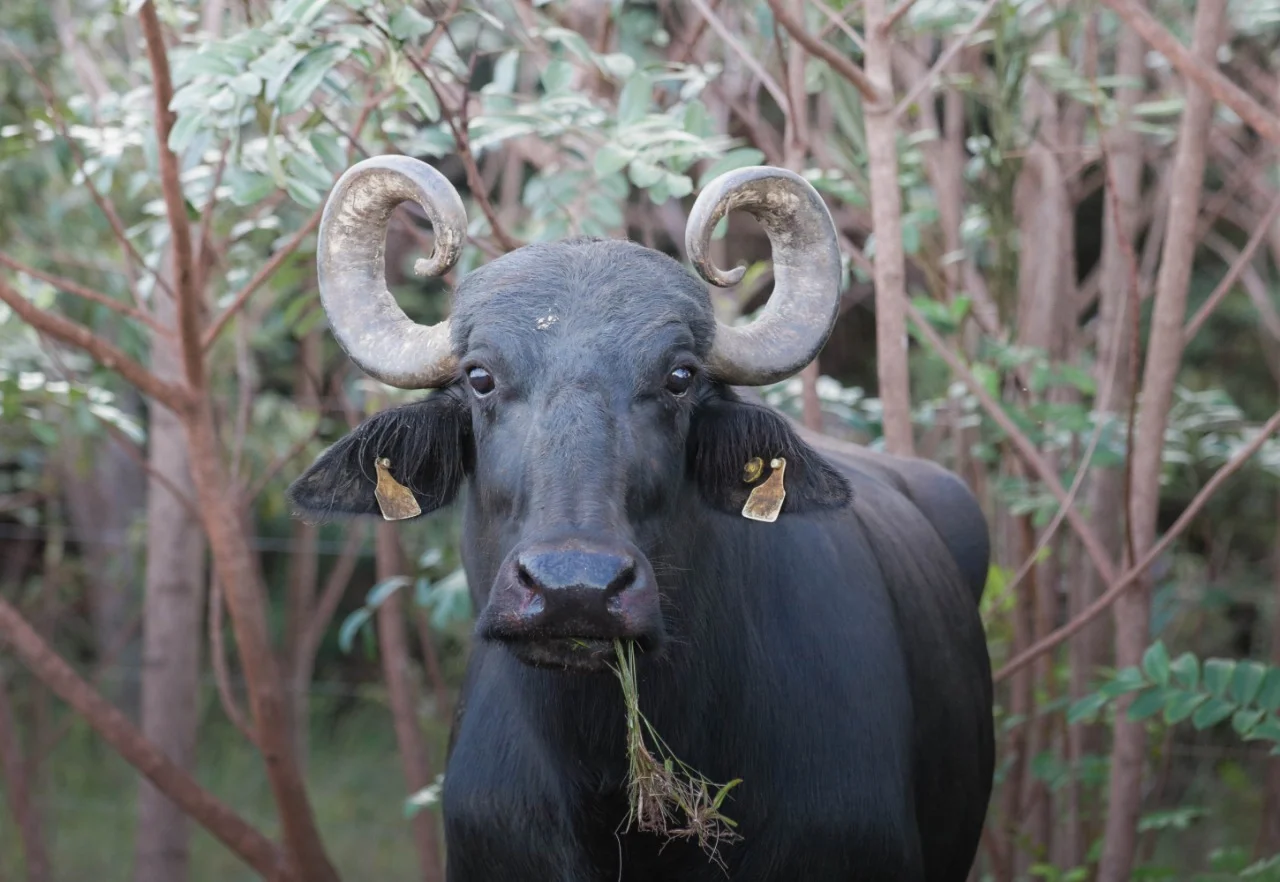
623 579
527 579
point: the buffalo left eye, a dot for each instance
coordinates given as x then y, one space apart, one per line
481 381
679 380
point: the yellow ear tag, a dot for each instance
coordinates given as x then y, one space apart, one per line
765 501
395 500
752 470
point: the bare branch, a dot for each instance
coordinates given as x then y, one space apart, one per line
265 272
903 7
944 59
75 289
218 660
1021 444
1237 266
838 21
1206 77
230 829
75 334
1118 585
184 269
838 62
744 55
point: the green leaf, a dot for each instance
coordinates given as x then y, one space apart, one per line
1155 662
634 101
1217 675
351 626
409 24
307 76
205 62
1269 693
310 172
420 91
610 159
184 131
249 188
1181 705
1148 703
326 147
645 174
247 84
679 186
302 193
1244 720
1186 671
299 12
1087 708
1125 680
557 76
1211 713
734 159
1247 681
697 121
379 593
1267 730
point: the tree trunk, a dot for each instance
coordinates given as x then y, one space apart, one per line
304 564
173 599
17 788
105 492
1269 828
886 211
395 668
1117 304
1164 355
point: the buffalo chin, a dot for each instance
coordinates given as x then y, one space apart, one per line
587 655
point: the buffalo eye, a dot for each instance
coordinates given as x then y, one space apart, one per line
481 381
679 380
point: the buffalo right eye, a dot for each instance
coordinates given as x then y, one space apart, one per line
481 381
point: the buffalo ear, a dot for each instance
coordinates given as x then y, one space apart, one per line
429 446
726 434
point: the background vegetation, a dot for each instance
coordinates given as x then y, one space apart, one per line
1061 228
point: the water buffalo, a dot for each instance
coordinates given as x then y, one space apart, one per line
833 659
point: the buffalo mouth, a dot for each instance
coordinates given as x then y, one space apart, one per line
585 654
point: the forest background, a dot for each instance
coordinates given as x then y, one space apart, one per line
1061 228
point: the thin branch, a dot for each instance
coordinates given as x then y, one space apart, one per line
75 289
172 396
722 31
265 272
258 852
1212 81
903 7
184 269
1031 456
108 211
832 57
838 21
218 659
1117 586
274 469
1238 265
944 59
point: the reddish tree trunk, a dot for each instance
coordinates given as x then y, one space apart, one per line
17 788
395 668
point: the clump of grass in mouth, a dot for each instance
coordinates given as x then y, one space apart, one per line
665 796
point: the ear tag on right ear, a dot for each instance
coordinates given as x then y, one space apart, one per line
765 501
396 501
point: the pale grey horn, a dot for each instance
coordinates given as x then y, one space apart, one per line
351 264
794 325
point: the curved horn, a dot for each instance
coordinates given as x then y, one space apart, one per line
804 305
351 269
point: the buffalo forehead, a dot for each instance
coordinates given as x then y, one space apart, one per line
573 291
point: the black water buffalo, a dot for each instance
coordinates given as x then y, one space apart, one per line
832 659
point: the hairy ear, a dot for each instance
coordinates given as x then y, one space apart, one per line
429 446
727 433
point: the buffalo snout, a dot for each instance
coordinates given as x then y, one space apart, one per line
563 603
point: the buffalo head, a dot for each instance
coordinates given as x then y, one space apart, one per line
583 398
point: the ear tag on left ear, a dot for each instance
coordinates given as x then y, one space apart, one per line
765 501
395 500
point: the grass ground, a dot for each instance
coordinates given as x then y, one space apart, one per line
353 772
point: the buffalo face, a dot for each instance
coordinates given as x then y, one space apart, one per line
583 403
